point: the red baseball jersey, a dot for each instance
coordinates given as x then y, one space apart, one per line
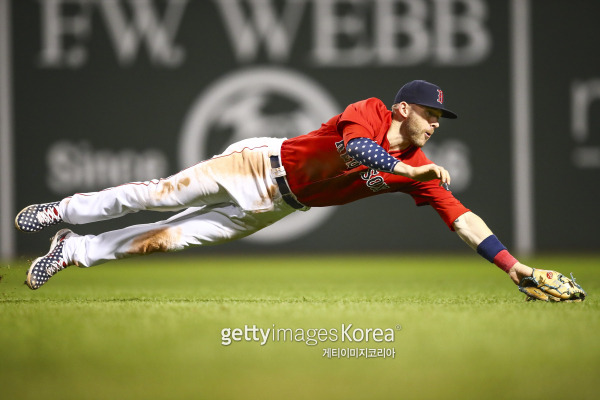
321 173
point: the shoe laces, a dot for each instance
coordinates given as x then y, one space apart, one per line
48 215
58 262
56 266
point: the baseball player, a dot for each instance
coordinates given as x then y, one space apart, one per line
366 150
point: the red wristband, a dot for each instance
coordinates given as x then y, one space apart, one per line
504 260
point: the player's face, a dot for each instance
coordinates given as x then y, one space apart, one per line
420 124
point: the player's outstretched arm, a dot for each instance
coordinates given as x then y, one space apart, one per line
537 284
474 232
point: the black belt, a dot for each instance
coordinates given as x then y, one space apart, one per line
284 188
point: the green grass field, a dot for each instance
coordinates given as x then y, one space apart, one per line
150 328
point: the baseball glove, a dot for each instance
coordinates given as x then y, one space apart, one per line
551 286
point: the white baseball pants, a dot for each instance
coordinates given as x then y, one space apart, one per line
225 198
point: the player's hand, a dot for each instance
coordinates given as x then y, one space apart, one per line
430 172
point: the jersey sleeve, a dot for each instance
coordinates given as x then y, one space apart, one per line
371 155
363 119
447 206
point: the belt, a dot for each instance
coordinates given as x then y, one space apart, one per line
284 188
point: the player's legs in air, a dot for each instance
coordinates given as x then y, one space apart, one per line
224 198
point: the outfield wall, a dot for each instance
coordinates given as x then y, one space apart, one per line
96 93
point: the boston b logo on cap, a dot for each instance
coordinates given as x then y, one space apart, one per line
425 94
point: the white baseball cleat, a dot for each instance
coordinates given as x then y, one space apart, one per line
43 268
36 217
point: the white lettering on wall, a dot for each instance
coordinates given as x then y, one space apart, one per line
56 27
400 32
77 167
263 24
583 95
468 25
67 27
341 33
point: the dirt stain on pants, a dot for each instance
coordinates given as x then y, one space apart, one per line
157 240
